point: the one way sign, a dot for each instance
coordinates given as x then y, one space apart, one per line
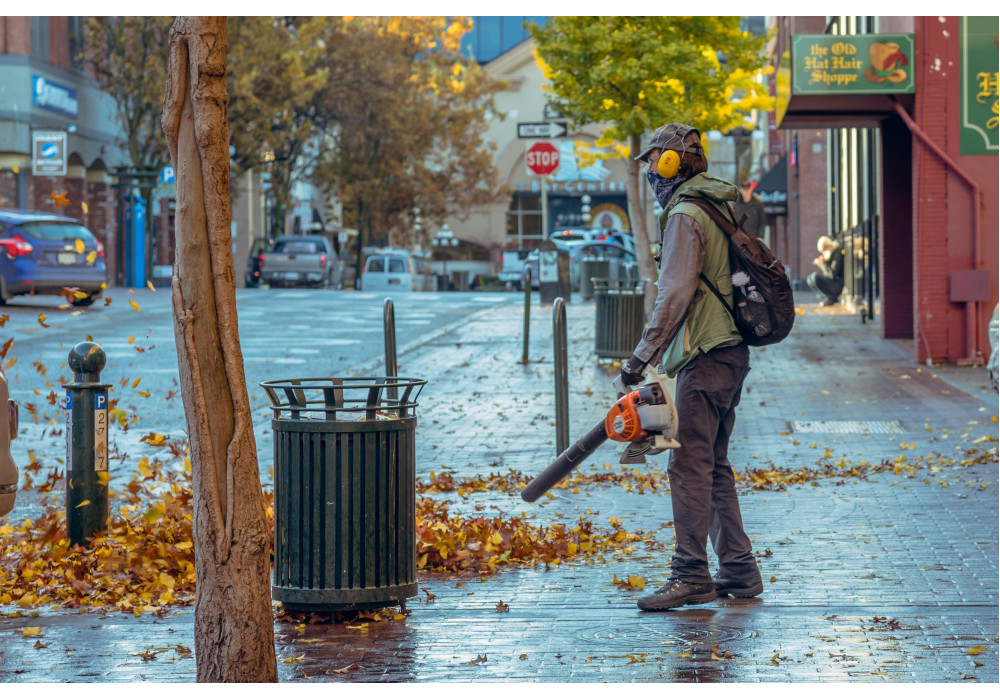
541 130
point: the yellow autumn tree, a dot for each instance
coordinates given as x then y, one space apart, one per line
633 74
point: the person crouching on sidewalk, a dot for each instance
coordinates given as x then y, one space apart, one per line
695 339
828 283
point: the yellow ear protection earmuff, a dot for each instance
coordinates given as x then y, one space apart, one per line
669 164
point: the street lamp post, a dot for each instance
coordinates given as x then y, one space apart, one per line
444 238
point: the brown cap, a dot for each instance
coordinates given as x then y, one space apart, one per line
678 137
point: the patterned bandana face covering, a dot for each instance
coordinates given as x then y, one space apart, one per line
663 187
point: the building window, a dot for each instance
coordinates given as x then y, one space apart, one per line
492 36
524 218
40 38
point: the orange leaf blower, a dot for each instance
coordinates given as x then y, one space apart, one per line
644 419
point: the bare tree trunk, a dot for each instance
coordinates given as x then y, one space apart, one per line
234 626
637 217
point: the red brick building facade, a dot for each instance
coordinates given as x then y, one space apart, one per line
46 47
886 173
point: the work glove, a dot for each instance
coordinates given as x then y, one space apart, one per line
632 371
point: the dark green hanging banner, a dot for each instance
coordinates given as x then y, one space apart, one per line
979 62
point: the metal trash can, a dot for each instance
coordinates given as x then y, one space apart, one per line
591 267
344 492
619 318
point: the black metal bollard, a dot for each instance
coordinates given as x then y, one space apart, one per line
389 333
527 315
561 364
86 445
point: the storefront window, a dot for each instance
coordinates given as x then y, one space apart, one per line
524 219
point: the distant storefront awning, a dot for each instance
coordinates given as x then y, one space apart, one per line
773 189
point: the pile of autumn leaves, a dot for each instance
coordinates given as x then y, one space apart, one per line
145 562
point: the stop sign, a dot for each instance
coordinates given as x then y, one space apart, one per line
542 158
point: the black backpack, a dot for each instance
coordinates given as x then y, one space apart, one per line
765 310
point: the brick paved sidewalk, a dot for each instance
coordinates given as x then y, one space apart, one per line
890 577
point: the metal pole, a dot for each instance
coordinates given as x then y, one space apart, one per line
561 363
389 331
87 445
527 314
545 209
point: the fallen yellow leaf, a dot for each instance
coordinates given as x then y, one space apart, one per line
79 245
41 321
151 287
31 631
135 306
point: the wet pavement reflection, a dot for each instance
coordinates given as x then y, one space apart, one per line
888 576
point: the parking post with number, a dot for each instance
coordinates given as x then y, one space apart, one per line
86 445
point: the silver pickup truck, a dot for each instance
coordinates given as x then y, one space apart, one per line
295 260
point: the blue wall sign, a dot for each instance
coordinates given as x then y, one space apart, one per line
54 97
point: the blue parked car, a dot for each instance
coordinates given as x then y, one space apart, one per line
39 254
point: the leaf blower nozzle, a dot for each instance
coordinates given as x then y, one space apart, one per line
644 419
565 463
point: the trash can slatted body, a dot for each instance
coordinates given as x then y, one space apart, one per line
344 509
619 318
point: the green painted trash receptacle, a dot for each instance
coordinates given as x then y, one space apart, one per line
344 492
619 318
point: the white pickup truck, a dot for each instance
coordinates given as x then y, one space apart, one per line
295 260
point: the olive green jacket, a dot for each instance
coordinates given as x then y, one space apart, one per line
688 318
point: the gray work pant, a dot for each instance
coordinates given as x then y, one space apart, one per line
702 485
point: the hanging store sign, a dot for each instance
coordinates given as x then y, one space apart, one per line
980 106
858 64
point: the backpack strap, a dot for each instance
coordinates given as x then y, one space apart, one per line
716 216
717 293
727 226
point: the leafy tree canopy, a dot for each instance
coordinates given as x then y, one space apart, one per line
408 115
633 74
128 57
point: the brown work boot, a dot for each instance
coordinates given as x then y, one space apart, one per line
737 589
677 593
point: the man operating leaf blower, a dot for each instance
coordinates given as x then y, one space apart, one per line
695 338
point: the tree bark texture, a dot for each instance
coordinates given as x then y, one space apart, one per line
234 626
647 266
